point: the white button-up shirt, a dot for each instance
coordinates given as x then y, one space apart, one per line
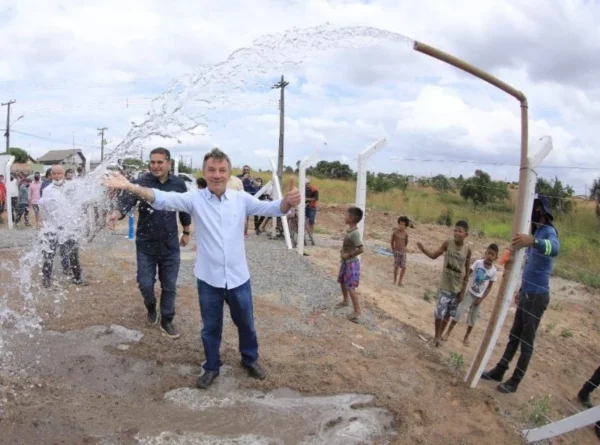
220 248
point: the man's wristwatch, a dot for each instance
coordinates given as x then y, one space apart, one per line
186 233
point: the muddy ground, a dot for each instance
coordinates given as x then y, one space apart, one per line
89 377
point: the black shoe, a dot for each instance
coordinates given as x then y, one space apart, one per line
495 374
509 386
166 326
255 371
152 317
46 283
584 398
207 379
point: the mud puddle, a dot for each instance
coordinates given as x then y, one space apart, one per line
102 395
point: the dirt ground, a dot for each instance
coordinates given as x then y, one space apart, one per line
417 384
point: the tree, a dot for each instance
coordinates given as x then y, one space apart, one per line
481 190
135 163
558 195
334 170
441 184
21 156
183 168
595 191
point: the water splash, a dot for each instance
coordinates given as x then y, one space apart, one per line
184 108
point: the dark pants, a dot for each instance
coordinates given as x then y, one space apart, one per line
239 301
22 210
69 253
13 209
530 309
258 220
593 382
168 269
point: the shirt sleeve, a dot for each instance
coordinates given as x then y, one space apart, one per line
254 206
126 201
184 217
357 239
494 274
548 244
173 201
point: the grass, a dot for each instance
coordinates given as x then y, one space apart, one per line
429 296
566 333
555 306
579 231
538 409
550 326
457 361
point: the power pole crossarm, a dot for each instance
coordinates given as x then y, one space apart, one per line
7 134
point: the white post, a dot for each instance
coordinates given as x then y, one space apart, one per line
279 194
519 256
263 189
176 167
563 426
361 179
307 162
9 209
88 163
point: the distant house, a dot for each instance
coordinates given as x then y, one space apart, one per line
71 158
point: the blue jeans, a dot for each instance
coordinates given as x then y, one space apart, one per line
168 269
239 301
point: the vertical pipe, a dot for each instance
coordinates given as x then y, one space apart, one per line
361 179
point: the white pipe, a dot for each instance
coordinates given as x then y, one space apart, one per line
88 163
307 162
519 256
9 164
563 426
361 179
284 221
263 189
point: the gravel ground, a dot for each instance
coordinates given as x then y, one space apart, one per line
16 237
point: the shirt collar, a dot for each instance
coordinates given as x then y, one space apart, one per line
209 195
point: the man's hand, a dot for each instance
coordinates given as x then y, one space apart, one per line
292 199
459 297
115 181
112 218
185 239
343 256
477 301
521 240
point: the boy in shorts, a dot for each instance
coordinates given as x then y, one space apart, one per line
349 275
457 258
482 279
399 243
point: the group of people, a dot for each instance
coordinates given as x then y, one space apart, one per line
220 209
219 212
25 192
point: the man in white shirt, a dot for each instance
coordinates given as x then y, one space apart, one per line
60 217
221 268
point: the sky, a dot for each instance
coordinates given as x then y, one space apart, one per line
159 67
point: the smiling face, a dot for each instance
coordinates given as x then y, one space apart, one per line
160 165
217 173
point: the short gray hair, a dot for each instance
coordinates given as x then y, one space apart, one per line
218 155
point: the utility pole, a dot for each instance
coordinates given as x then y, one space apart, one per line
7 134
102 141
281 85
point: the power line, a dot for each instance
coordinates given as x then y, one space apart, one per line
44 138
467 161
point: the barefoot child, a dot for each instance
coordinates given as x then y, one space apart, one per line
349 275
399 243
457 258
479 287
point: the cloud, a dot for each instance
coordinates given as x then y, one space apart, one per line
74 67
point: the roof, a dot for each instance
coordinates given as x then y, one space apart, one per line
59 155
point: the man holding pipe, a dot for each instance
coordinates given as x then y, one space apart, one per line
221 268
542 246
